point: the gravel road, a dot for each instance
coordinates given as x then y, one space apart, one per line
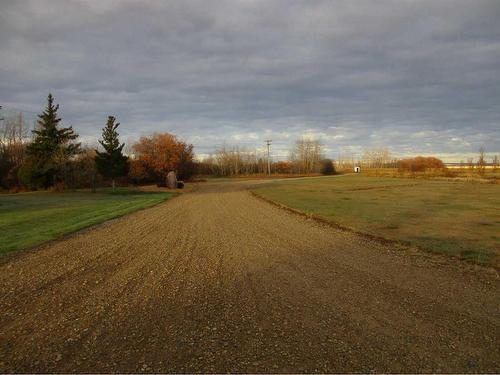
217 281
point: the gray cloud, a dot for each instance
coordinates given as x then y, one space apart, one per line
419 77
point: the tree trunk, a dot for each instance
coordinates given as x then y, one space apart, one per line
113 184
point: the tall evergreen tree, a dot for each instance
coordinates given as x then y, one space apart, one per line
111 163
52 147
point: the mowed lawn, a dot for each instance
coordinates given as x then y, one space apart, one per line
456 218
29 219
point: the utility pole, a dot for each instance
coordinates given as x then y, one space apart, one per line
268 142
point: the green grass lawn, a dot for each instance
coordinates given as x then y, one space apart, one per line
456 218
29 219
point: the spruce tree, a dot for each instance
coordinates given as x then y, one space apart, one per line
111 163
52 146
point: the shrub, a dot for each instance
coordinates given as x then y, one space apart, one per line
137 173
12 155
419 164
25 173
82 171
5 168
283 167
327 167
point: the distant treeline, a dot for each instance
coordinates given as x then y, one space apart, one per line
305 158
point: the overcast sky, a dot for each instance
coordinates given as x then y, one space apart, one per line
421 77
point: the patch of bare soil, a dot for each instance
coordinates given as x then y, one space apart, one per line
219 281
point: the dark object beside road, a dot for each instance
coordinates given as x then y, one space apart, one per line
180 184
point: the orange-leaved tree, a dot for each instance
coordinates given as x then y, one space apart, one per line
420 164
162 153
283 167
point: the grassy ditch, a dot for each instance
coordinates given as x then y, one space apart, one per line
455 218
30 219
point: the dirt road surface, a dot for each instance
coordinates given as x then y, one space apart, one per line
217 280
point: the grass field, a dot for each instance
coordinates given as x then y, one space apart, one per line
455 218
32 218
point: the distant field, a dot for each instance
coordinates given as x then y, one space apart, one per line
456 218
32 218
458 174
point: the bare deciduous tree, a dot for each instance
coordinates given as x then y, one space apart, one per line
235 160
376 158
470 163
481 162
306 155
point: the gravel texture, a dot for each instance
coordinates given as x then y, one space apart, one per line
219 281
